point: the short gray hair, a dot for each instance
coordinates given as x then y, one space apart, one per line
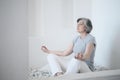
87 23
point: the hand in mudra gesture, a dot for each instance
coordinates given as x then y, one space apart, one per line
79 56
44 49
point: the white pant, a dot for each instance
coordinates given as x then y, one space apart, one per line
69 67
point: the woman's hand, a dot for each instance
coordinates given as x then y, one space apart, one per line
79 56
45 49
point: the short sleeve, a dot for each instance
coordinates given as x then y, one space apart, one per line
75 39
92 40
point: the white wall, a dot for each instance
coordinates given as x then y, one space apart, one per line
106 17
13 40
53 23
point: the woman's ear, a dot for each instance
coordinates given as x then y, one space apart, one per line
85 28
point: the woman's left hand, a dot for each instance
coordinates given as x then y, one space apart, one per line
79 56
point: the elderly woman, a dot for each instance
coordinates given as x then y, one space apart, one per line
83 47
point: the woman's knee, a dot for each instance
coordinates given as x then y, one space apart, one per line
51 56
76 60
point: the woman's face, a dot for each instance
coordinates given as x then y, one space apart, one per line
81 27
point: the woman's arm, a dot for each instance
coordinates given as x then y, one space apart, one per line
87 54
68 51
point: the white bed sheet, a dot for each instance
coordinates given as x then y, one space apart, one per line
45 74
100 75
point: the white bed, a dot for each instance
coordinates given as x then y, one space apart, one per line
45 74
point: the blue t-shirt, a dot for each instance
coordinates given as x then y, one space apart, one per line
80 46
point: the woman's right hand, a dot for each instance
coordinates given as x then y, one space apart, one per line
45 49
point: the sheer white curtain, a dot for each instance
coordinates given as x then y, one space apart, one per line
47 14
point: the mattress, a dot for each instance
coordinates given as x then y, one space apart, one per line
45 74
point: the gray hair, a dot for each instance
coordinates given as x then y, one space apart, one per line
87 23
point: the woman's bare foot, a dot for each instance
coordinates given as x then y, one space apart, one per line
59 73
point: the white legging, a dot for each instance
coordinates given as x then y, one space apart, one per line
57 64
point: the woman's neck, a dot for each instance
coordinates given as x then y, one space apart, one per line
83 35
